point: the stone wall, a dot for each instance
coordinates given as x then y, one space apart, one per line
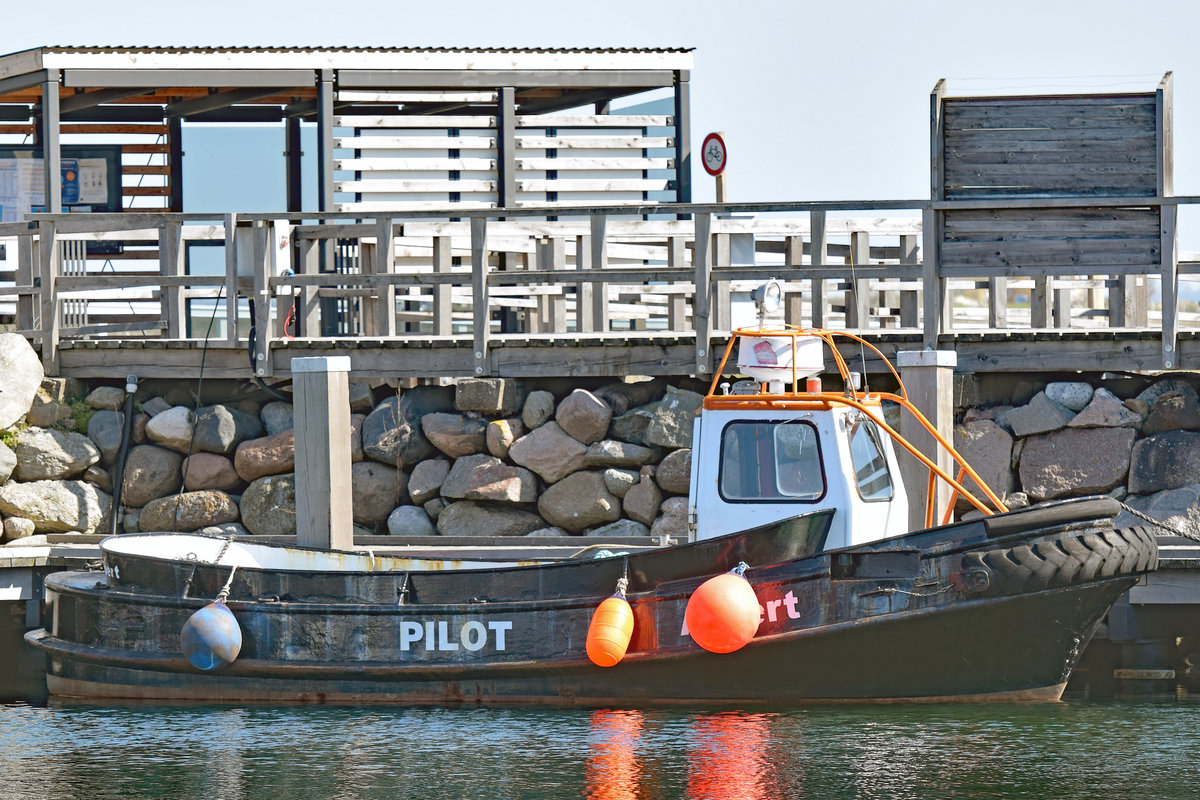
494 457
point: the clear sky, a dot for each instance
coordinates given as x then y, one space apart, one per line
818 100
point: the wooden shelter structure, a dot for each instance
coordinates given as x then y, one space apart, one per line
396 127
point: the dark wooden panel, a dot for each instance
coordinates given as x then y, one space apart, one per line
1037 252
1055 224
1049 114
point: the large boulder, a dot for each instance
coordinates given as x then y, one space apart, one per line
501 434
269 506
106 429
615 453
57 506
455 434
392 432
1106 411
620 529
481 477
470 518
674 473
270 455
1075 461
49 454
632 426
22 371
642 501
1165 461
426 479
583 416
220 429
210 471
537 409
579 501
1173 411
410 521
377 490
188 511
150 472
623 396
671 426
1039 415
46 411
8 462
1075 395
173 428
619 481
277 417
489 396
549 452
988 449
1164 386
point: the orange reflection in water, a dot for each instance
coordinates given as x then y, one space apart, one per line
612 765
729 758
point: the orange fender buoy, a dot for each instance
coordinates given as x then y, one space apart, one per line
611 629
722 615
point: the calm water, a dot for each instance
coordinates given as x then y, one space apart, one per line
1069 750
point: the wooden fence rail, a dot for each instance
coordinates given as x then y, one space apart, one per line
470 293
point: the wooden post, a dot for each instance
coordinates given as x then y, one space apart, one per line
324 497
998 302
930 278
793 259
719 300
26 259
443 319
702 299
170 265
552 255
599 259
910 300
51 323
676 302
1040 302
262 300
858 300
928 377
231 268
310 298
385 264
1170 286
818 252
481 307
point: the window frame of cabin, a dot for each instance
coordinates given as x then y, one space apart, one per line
876 440
724 464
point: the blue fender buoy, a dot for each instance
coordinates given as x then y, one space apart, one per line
211 638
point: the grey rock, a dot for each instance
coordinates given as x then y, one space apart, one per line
49 454
674 472
1075 461
131 521
270 455
225 529
150 472
392 432
672 424
470 518
1164 386
8 462
427 478
625 395
481 477
57 506
277 417
1178 508
1173 411
410 521
22 371
1041 415
583 416
106 430
109 397
1106 411
155 406
98 477
549 452
188 511
377 489
620 481
674 526
631 426
677 506
1163 461
615 453
172 428
579 501
988 449
620 528
1015 500
18 528
220 429
490 396
455 434
63 390
642 501
362 399
45 411
268 506
537 409
549 530
501 434
1075 395
356 448
434 508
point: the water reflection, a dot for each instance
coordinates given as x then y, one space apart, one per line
729 758
612 766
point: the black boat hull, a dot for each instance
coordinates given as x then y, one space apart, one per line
966 612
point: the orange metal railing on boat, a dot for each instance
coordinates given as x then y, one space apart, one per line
869 403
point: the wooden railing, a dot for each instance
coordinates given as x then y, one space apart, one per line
494 278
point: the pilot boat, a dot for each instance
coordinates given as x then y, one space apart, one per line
798 515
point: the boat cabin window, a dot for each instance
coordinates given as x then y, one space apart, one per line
871 474
771 461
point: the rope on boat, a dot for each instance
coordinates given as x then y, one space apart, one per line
1160 524
223 595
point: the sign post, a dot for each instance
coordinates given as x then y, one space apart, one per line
714 157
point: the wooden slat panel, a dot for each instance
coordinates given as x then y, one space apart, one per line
599 185
1034 252
1013 136
1048 153
145 169
146 148
594 163
1048 113
146 191
1054 224
597 142
413 164
407 205
594 121
416 142
388 185
401 121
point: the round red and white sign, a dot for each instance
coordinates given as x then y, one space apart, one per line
713 154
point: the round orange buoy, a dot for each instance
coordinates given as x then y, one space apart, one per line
611 629
723 614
